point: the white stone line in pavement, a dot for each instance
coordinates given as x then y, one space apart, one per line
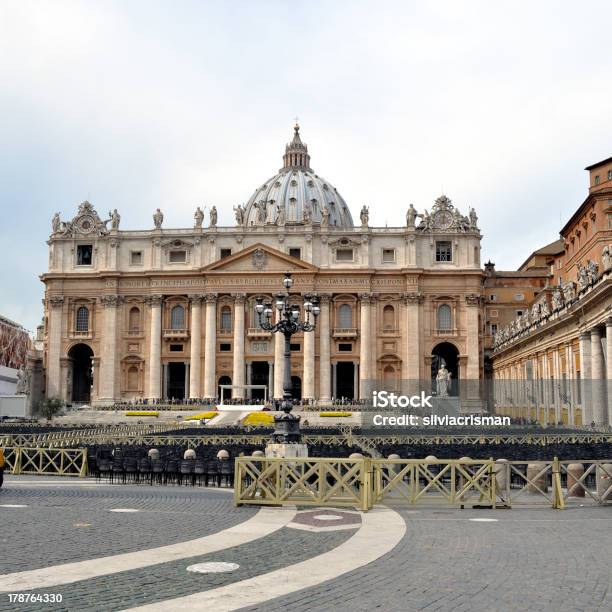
265 522
381 530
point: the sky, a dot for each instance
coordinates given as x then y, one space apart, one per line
138 105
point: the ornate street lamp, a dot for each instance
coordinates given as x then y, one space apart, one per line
287 425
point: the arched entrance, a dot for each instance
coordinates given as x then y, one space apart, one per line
82 377
227 393
447 354
296 387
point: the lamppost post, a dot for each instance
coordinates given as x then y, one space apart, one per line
287 425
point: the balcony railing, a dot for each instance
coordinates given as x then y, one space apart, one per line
81 335
176 333
345 332
134 333
257 332
225 333
389 331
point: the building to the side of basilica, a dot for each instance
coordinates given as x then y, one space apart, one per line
552 353
164 313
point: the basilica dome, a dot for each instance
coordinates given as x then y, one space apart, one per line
296 195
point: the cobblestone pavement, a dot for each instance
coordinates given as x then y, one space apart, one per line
524 559
71 521
529 559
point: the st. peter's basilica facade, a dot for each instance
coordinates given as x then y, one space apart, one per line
169 313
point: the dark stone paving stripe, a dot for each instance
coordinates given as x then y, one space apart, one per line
44 533
170 580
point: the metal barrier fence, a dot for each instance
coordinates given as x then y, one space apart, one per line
47 461
146 435
364 482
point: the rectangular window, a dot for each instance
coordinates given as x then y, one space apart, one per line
444 250
225 347
610 175
345 348
493 328
295 252
178 256
597 179
344 254
84 254
519 297
492 298
295 347
519 313
136 258
388 255
176 348
225 253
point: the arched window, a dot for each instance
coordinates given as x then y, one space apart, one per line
82 319
134 319
226 318
444 318
388 317
177 317
345 316
132 378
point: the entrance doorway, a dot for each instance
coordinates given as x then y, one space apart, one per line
176 380
82 377
447 354
345 380
296 388
227 393
260 374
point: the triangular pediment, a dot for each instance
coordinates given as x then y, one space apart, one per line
260 258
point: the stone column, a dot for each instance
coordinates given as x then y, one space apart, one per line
571 381
609 367
324 349
308 387
196 347
413 344
210 387
108 361
270 378
54 334
155 302
249 378
334 383
472 348
365 355
279 360
585 378
600 415
238 365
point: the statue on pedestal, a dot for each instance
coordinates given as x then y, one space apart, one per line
606 258
55 223
411 215
213 217
239 212
592 271
557 298
364 215
115 219
158 218
325 217
23 382
443 380
199 217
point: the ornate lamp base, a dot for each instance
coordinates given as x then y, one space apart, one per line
291 450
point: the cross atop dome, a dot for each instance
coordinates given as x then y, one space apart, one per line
296 152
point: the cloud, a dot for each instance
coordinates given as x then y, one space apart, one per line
145 104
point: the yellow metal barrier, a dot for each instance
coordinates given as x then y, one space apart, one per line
363 482
46 461
448 482
334 482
